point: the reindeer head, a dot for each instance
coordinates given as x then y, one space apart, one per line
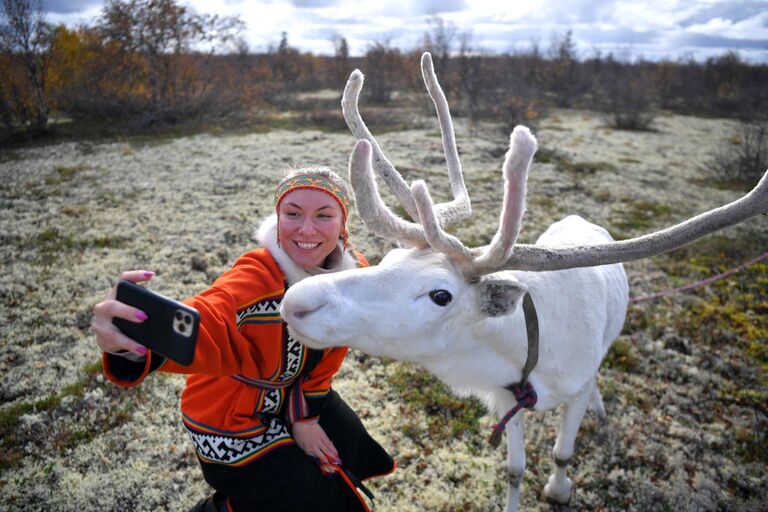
410 305
437 280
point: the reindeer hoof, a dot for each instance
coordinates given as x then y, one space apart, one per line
558 491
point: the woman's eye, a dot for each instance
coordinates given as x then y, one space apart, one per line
441 297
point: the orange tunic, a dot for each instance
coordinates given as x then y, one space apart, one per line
249 377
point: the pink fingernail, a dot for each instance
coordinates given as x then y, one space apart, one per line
141 315
142 351
149 274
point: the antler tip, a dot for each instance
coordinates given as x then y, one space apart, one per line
419 187
426 61
522 137
356 75
362 148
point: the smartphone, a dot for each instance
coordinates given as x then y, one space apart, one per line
171 329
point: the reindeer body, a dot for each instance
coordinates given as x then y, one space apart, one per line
456 309
385 310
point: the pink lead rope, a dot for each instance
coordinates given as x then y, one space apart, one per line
709 280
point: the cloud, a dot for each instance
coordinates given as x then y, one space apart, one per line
732 11
439 6
621 35
69 6
308 4
709 41
656 27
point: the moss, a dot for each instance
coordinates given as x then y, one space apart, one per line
563 164
751 445
588 167
63 174
448 416
731 317
51 244
69 440
642 215
107 242
12 447
639 399
603 196
542 202
14 440
609 390
739 185
8 155
622 356
77 211
548 156
734 309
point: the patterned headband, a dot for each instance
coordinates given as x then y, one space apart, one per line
316 182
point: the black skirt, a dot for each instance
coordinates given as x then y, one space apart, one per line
288 480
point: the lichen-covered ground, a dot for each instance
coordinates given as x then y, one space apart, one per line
685 386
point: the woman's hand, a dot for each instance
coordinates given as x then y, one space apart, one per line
108 336
311 438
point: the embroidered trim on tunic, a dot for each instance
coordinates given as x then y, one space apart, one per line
265 311
237 449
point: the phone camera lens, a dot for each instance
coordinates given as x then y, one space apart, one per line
178 315
187 319
182 328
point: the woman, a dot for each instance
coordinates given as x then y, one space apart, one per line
270 433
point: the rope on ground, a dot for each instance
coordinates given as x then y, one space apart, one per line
704 282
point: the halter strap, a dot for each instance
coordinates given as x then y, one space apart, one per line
524 393
532 329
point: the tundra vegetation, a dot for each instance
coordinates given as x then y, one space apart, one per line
119 178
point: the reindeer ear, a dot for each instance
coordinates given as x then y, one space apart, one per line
497 296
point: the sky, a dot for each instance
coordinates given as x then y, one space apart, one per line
629 29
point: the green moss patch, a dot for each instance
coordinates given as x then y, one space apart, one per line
61 438
622 356
447 414
51 243
642 215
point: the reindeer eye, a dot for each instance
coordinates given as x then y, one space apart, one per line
441 297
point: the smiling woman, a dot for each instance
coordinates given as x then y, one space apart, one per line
269 431
312 212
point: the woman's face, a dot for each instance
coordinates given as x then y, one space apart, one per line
310 225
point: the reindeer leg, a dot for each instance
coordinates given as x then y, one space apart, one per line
558 487
596 404
515 460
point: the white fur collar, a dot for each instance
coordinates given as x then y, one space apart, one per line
266 235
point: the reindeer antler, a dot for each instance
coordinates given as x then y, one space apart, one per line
457 209
460 208
534 257
416 199
357 126
503 253
377 217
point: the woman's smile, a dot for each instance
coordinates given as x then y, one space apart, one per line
307 245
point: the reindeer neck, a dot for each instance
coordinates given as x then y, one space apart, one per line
491 355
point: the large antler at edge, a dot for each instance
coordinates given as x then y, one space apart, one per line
533 257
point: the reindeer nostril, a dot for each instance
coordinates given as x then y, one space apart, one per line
304 313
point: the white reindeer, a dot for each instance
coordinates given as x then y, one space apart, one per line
455 310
